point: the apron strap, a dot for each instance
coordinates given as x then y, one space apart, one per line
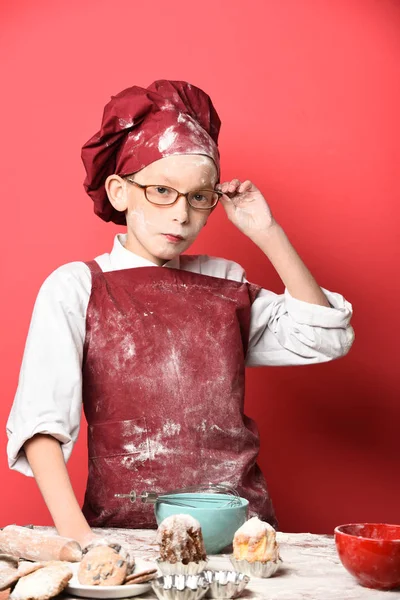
94 267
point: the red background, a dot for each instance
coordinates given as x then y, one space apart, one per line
309 95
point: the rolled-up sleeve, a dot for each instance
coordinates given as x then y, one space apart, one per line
287 331
49 394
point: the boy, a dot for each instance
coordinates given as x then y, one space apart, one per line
154 342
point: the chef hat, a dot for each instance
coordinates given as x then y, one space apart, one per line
142 125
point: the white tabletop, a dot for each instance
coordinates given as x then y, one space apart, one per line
311 568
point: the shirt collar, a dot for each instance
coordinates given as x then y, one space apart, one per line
121 258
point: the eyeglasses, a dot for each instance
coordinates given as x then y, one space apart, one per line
163 195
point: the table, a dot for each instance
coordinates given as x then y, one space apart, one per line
311 568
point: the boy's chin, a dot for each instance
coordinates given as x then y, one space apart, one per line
168 253
167 256
163 254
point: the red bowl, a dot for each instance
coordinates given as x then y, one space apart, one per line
370 552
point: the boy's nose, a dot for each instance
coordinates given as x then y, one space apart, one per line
181 210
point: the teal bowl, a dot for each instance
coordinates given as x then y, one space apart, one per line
218 522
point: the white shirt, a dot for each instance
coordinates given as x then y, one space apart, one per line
283 331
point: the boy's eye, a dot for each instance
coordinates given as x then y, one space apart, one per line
199 197
162 190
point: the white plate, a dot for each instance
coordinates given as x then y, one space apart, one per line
109 591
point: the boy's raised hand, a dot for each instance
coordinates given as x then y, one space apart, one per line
246 207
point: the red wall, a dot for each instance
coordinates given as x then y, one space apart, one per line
309 95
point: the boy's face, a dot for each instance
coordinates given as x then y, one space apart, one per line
150 226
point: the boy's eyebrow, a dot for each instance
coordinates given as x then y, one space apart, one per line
160 178
167 179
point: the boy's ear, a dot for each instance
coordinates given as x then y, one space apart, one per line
117 193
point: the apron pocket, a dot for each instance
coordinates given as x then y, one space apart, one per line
119 438
119 461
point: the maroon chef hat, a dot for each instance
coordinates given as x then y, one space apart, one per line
142 125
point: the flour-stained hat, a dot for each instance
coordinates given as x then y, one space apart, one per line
142 125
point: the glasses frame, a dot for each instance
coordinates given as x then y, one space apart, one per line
144 188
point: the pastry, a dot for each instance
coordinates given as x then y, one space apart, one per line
102 565
8 576
25 567
181 545
255 540
255 549
142 577
43 584
121 550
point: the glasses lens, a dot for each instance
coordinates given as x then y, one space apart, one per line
159 194
203 199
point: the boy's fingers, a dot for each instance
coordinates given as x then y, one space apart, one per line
245 186
234 184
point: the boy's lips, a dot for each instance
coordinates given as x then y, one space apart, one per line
173 237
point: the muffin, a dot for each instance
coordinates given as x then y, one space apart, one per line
181 544
255 549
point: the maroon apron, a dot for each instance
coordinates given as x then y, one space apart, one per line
163 390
